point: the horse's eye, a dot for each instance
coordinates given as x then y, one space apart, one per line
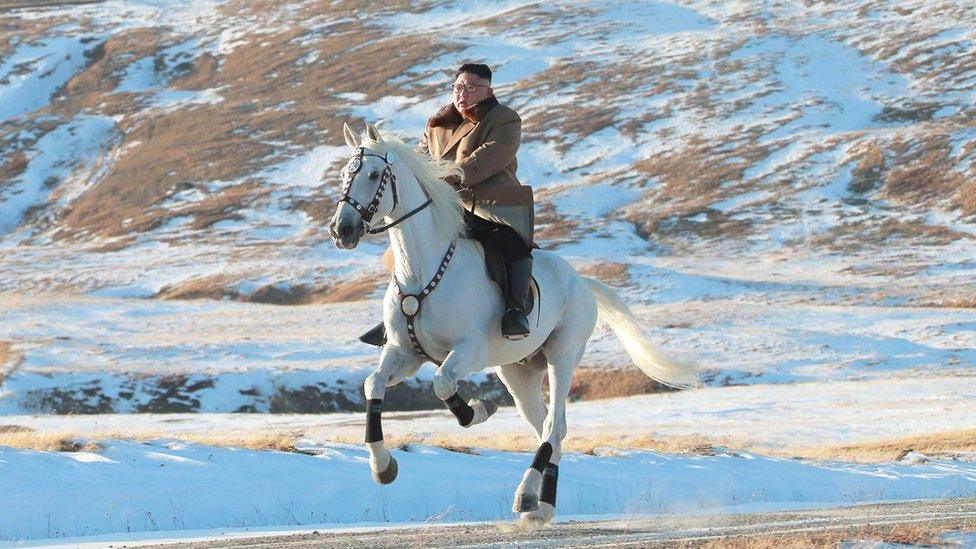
374 175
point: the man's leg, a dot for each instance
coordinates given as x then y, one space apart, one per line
518 259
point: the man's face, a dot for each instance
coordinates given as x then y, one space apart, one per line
464 99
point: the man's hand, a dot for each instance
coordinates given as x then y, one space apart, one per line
453 181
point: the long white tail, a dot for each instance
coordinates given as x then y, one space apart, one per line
627 327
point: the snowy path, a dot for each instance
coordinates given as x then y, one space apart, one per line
956 519
684 531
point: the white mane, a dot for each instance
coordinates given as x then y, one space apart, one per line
430 174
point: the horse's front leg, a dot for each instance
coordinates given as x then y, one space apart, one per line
393 368
466 358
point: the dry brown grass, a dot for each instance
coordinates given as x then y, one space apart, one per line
866 175
854 236
693 178
222 286
285 441
615 274
279 441
89 442
602 445
224 205
945 443
14 166
922 172
46 442
957 303
10 359
202 287
354 290
594 383
551 228
228 140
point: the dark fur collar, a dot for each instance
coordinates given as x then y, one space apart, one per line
449 117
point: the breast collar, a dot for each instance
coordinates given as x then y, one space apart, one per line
410 303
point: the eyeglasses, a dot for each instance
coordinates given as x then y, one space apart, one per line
456 88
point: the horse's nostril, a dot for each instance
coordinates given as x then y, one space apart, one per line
345 231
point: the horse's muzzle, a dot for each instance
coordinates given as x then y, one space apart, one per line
345 234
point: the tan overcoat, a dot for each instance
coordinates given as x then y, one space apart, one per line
485 151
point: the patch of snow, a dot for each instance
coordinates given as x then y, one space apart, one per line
449 16
594 201
62 153
139 76
35 71
156 486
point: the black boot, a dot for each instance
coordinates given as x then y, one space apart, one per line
375 336
515 325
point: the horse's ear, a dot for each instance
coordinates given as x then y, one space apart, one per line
350 135
373 133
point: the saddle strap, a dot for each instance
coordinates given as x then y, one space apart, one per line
410 303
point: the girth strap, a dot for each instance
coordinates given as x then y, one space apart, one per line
410 303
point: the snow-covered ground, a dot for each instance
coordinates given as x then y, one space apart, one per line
113 354
760 417
171 485
157 484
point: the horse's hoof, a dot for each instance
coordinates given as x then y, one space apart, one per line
387 476
539 517
525 503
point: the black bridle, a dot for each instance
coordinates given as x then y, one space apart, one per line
366 212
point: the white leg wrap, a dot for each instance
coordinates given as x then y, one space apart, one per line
527 493
379 456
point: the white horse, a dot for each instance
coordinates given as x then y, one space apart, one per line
441 306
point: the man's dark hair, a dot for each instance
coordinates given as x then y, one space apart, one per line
476 69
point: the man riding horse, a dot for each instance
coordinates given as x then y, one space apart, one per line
482 136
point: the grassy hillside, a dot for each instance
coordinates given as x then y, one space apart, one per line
781 134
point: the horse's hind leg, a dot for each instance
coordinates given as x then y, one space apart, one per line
536 495
524 382
394 366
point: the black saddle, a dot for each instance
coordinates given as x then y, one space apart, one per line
495 264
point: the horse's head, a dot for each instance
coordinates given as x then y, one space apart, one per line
368 189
